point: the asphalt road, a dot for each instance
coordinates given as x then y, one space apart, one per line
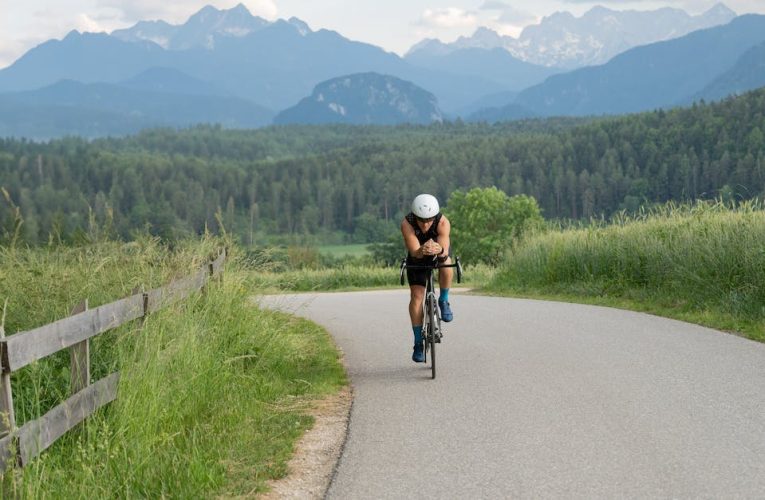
539 399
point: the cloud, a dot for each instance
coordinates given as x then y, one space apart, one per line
507 14
449 17
517 18
494 5
178 11
9 51
618 2
86 23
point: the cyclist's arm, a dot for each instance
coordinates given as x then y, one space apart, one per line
444 230
410 240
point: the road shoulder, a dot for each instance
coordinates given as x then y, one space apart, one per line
316 454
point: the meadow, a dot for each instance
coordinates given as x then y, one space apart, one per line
702 262
213 391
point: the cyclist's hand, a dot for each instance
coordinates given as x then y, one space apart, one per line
431 248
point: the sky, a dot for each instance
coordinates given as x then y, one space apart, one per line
394 25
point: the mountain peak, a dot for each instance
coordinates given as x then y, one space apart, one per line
301 26
719 10
240 8
482 38
203 15
599 10
561 17
486 37
200 30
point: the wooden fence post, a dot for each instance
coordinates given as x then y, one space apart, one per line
225 255
7 417
80 356
145 296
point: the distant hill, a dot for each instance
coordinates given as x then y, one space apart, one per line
497 65
506 113
86 57
101 109
653 76
747 73
172 81
367 98
488 101
565 41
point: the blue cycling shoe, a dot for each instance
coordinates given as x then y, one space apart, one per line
418 356
446 311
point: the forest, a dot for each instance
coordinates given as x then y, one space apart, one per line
355 183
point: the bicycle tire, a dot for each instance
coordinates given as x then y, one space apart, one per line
432 336
425 329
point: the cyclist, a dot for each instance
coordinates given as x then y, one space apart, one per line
426 236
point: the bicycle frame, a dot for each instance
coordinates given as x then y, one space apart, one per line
431 320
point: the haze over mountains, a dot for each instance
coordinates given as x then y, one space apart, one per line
239 70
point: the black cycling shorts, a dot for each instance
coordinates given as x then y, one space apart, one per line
420 276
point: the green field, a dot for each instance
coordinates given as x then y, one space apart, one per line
339 251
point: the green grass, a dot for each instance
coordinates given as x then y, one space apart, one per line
349 277
703 263
213 391
340 251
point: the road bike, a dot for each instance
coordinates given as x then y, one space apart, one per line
431 323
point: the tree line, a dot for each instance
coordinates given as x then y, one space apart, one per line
359 181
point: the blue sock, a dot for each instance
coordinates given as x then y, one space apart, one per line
444 297
417 333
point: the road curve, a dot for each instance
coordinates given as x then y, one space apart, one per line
543 399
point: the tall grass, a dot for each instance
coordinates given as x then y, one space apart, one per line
212 394
349 277
701 257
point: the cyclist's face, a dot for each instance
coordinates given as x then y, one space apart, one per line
425 223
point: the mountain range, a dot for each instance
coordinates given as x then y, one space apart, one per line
273 64
157 97
239 70
746 74
662 74
565 41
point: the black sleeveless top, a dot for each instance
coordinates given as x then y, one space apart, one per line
431 234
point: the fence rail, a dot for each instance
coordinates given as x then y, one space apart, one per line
18 446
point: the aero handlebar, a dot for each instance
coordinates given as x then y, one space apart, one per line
434 265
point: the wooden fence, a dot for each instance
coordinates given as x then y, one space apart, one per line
18 446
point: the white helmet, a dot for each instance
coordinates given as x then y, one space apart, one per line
425 206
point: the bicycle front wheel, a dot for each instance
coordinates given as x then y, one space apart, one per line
431 339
